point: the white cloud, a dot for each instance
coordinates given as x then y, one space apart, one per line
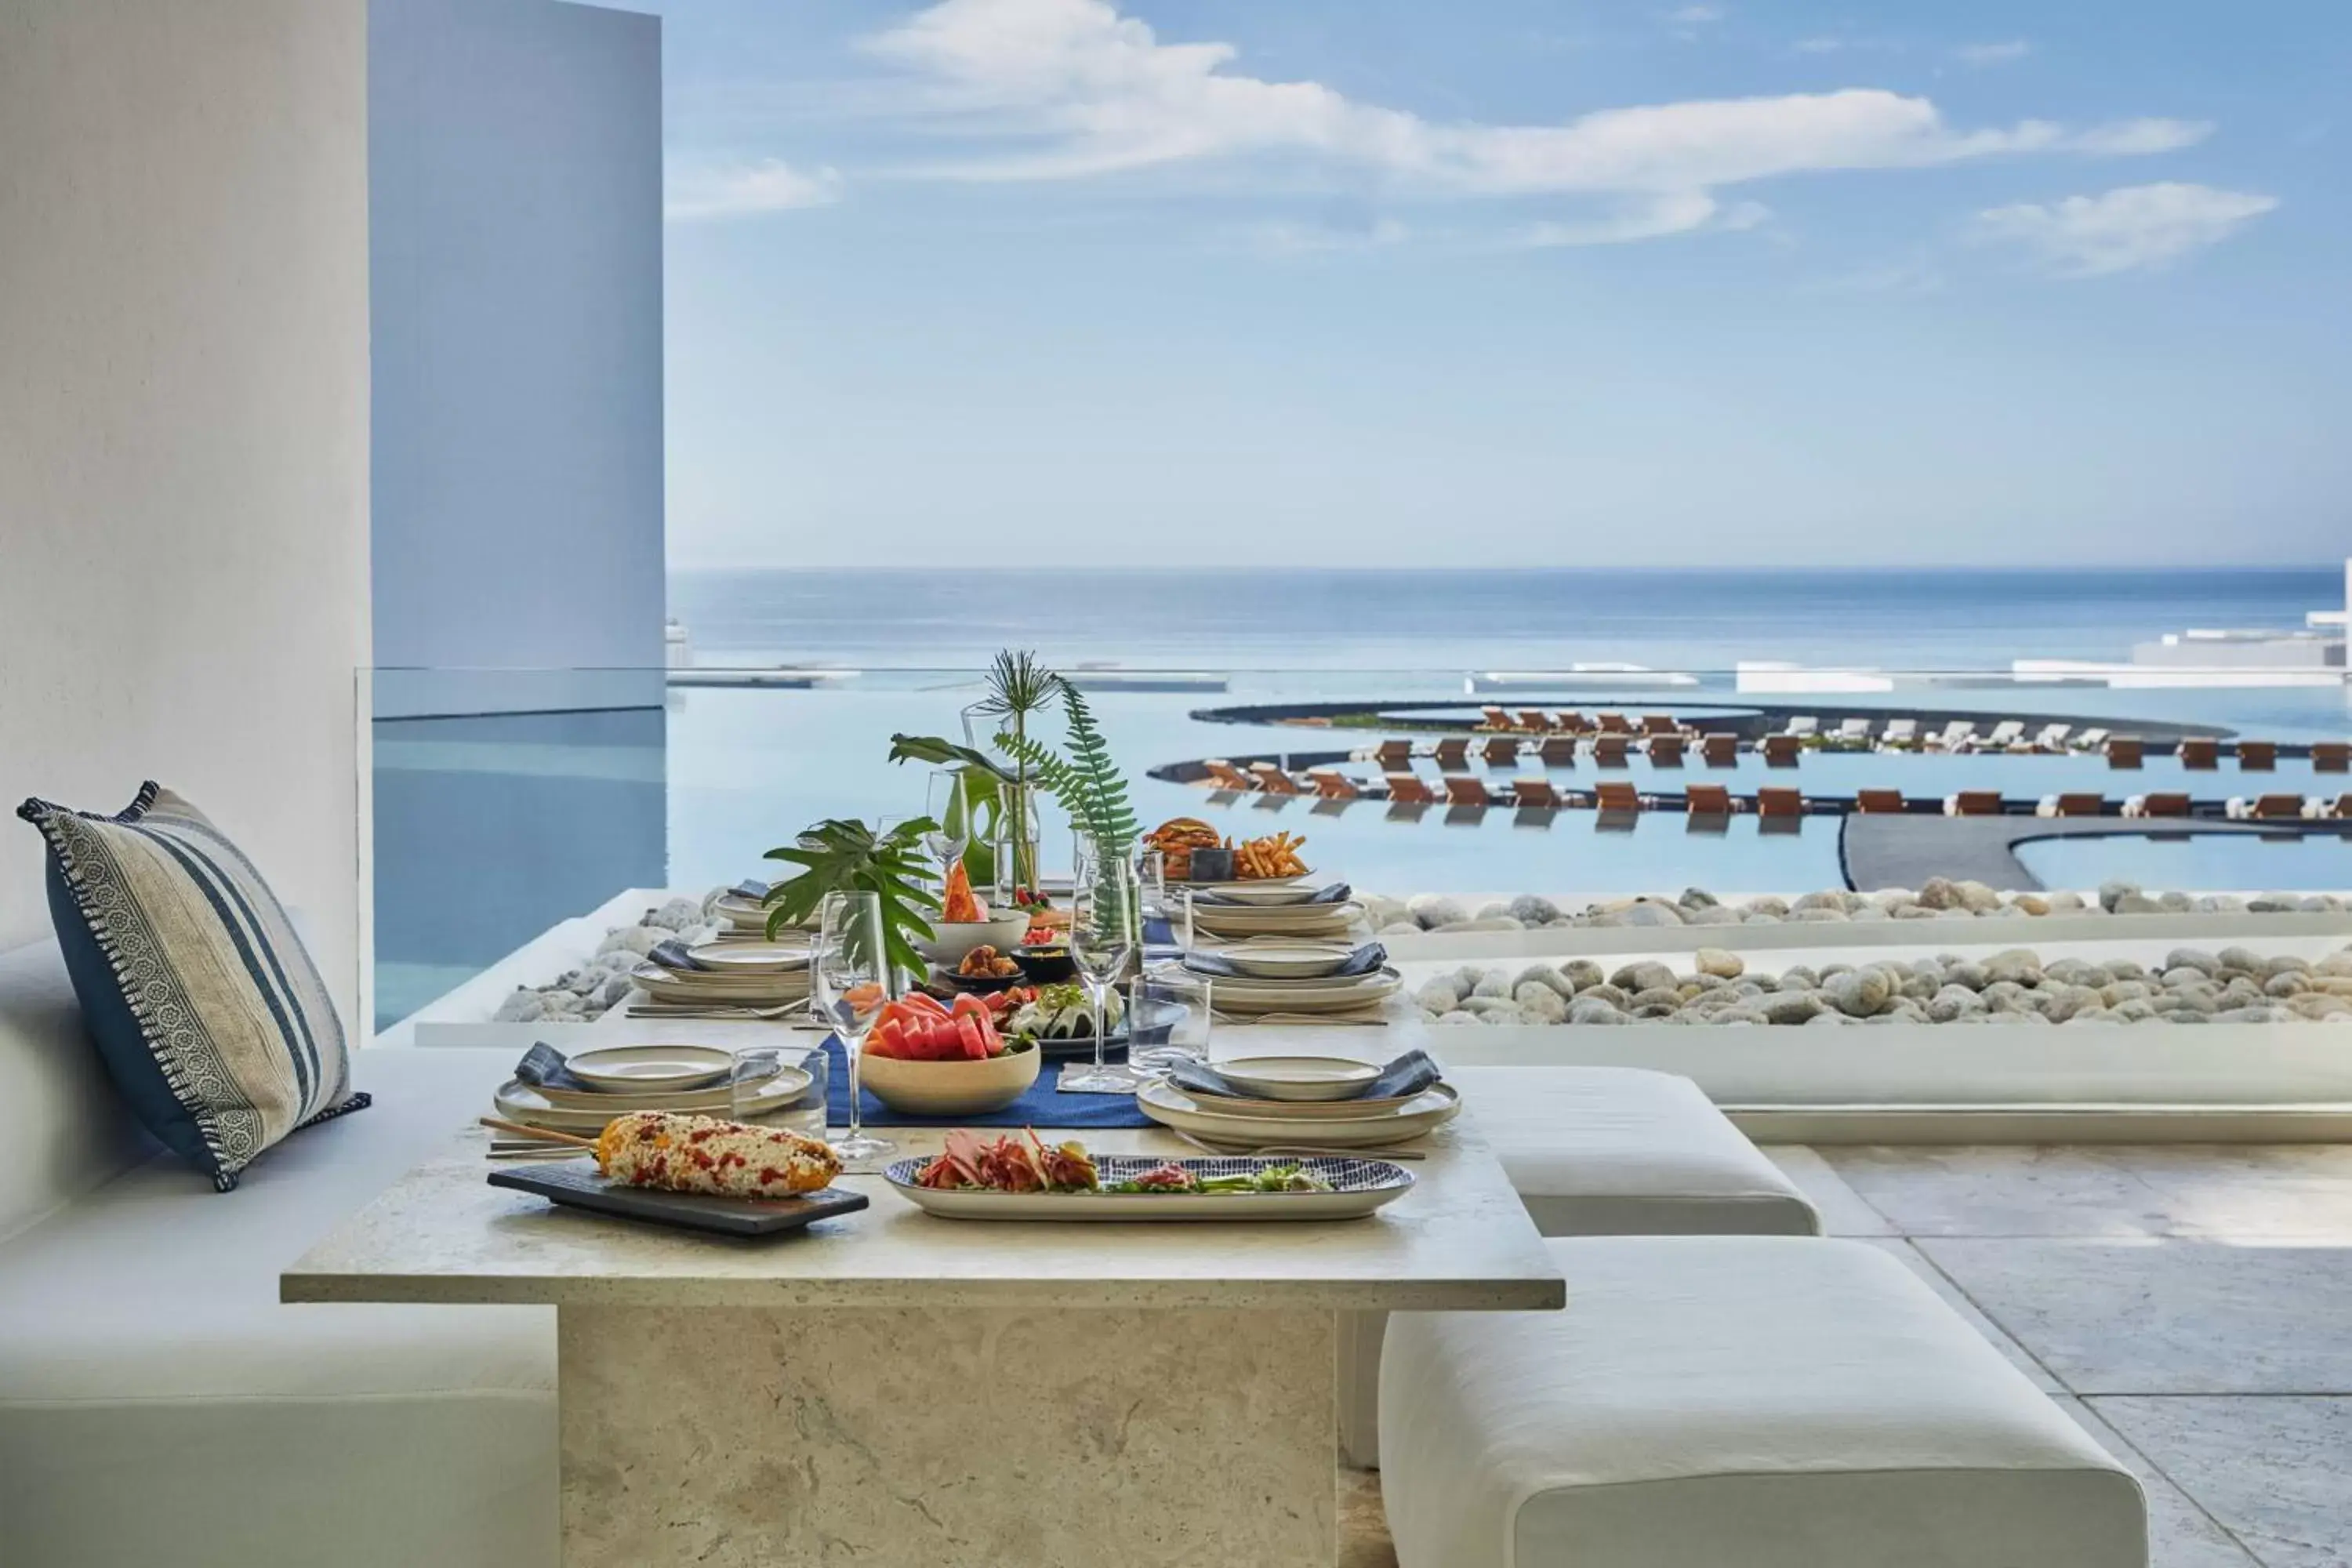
1655 217
1998 54
740 190
1076 90
2133 229
1691 15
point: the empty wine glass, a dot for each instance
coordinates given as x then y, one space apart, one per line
849 979
1105 931
950 811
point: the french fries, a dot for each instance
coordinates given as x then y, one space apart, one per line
1276 854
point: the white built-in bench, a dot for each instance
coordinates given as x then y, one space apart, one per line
1767 1402
159 1406
1597 1152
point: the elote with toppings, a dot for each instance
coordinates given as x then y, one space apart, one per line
682 1153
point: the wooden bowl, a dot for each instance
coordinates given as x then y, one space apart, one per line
950 1088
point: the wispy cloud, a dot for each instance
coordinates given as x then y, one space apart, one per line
1071 88
1695 15
1655 217
2136 228
741 189
1998 54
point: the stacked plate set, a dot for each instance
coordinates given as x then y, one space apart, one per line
1287 908
1326 1102
1262 977
719 979
577 1095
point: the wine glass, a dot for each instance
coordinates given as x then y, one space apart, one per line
1105 931
849 979
950 810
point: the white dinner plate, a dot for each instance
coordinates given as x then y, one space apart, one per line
518 1102
1360 1187
1273 894
1269 958
640 1069
1298 1076
713 1099
740 990
1365 991
1171 1106
750 957
1292 920
1246 882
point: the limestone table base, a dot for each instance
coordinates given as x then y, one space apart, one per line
934 1438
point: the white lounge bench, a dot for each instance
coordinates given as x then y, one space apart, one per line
1768 1402
1597 1151
159 1406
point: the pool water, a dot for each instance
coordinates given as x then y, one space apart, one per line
2287 862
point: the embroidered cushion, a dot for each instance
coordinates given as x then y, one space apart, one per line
211 1018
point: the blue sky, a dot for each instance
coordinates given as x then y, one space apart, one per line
1379 282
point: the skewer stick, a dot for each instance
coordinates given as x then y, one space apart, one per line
541 1133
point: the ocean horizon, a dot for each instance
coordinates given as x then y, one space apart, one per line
1371 618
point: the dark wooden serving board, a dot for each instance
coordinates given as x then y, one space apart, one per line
579 1186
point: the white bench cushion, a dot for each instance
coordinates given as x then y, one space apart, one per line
1597 1151
68 1133
158 1404
1765 1401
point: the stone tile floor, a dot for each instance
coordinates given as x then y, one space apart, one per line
2191 1305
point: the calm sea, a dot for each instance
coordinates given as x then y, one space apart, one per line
1401 620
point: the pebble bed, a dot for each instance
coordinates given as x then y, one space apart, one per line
2234 985
584 995
1937 899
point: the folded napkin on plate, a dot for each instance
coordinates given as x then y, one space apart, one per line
672 955
1366 960
543 1066
1337 893
1407 1076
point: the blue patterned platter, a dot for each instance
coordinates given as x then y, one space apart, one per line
1357 1188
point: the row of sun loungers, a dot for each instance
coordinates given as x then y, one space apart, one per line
1454 753
1538 721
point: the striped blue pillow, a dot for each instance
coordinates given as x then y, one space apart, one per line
210 1017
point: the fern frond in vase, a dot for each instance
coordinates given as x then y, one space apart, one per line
1087 782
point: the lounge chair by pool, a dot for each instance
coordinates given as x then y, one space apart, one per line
1272 780
2165 804
1493 718
1614 723
2264 808
2257 756
2088 740
2340 807
2003 736
1720 750
1954 736
1393 755
1535 720
2124 752
1557 752
2330 757
1803 724
1973 803
1464 789
1572 724
1880 802
1779 751
2053 737
2200 754
1332 785
1900 735
1535 794
1502 751
1454 755
1660 724
1609 750
1707 800
1224 776
2072 805
1778 800
1854 732
1616 794
1666 751
1410 789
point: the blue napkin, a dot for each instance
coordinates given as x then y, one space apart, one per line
1043 1105
751 888
1337 893
673 954
543 1066
1408 1075
1366 960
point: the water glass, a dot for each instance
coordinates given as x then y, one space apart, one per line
752 1095
950 811
849 978
1168 1018
1106 934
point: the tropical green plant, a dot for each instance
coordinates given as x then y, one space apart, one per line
996 796
1087 782
841 855
1018 686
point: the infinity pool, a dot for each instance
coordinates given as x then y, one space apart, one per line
2293 862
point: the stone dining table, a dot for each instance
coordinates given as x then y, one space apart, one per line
892 1388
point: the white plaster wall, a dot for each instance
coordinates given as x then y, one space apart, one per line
515 150
184 430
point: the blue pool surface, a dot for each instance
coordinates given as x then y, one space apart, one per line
2247 862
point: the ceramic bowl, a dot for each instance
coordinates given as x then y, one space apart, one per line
950 1089
1046 965
954 939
